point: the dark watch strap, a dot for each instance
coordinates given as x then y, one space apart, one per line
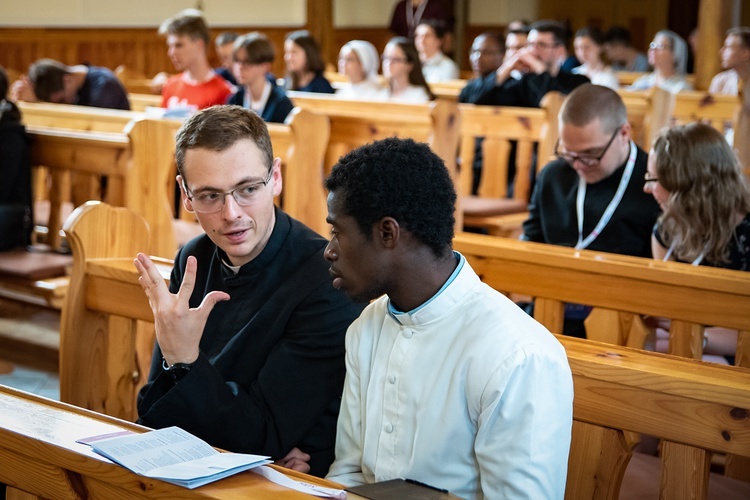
177 371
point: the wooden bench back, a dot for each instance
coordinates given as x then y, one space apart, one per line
499 125
356 123
692 296
648 113
135 162
720 111
140 98
695 408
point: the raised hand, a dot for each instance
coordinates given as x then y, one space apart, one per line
178 326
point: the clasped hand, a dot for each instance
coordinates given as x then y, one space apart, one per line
178 326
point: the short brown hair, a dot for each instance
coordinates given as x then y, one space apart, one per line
220 127
188 22
588 102
743 33
46 76
258 47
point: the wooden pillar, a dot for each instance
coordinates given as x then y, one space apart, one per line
715 17
320 25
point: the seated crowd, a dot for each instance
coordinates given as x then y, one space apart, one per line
379 353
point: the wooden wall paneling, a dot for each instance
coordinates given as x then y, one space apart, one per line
141 49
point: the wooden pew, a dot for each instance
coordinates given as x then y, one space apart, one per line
720 111
499 125
300 144
648 113
355 123
128 159
695 408
621 288
39 458
140 100
692 296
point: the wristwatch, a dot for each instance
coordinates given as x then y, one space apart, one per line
177 371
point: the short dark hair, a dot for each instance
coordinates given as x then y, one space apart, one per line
619 35
591 32
220 127
397 178
743 32
188 22
495 37
258 47
439 27
558 30
225 37
46 75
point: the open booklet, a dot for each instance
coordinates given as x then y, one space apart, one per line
175 456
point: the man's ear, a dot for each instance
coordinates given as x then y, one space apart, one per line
388 232
185 200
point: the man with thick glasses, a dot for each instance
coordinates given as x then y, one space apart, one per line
250 333
592 195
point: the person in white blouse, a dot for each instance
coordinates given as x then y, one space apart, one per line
667 54
436 66
448 382
403 70
588 45
359 62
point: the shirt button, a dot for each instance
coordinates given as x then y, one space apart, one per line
392 379
408 334
388 428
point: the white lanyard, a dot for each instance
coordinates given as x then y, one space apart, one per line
696 262
412 19
607 215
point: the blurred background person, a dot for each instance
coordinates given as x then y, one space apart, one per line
359 62
304 64
16 222
52 81
407 14
252 59
402 69
588 48
486 56
735 59
618 47
436 66
197 86
697 180
515 40
668 56
224 46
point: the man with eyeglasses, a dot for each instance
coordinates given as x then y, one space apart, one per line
540 65
591 196
250 334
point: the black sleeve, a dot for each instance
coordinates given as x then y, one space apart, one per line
532 227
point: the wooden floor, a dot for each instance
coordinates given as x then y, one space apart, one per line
29 335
